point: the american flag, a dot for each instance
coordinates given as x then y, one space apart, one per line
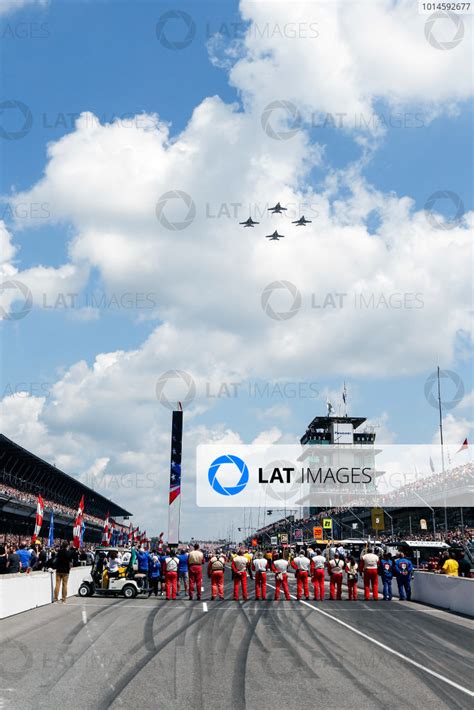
175 480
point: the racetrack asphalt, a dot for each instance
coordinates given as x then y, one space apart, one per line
110 652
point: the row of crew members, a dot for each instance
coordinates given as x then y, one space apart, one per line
314 569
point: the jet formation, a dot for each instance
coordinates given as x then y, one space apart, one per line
276 209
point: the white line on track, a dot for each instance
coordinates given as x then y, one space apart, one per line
204 606
84 616
386 648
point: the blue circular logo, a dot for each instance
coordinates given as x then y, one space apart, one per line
228 490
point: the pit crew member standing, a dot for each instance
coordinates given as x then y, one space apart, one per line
171 565
259 566
280 568
370 565
318 563
352 571
387 569
301 564
195 562
335 569
239 573
403 572
215 572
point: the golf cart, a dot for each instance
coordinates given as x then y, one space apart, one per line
98 581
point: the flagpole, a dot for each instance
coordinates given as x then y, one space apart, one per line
440 421
174 505
442 448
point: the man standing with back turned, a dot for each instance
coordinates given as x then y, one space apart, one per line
239 573
370 562
301 564
62 565
195 562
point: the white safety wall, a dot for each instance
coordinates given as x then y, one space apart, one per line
20 592
453 593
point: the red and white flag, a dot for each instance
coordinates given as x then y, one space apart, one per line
106 533
39 518
464 446
76 531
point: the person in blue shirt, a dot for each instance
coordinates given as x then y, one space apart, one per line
25 557
183 571
154 573
403 571
143 559
386 567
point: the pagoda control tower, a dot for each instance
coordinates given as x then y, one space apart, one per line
345 441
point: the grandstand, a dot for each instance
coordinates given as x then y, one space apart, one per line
330 434
23 476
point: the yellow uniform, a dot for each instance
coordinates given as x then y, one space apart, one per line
451 568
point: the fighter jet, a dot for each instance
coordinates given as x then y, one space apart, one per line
249 222
275 236
302 221
278 209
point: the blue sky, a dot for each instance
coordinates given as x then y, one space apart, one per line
105 58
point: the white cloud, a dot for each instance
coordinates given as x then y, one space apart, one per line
346 56
208 279
11 6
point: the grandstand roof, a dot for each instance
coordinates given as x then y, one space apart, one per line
34 474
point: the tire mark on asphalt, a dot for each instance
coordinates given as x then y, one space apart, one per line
133 673
92 641
341 662
239 677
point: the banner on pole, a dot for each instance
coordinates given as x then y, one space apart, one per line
318 533
175 478
274 540
38 519
378 520
76 531
327 523
51 531
298 534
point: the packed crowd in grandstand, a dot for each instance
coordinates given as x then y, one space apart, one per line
51 505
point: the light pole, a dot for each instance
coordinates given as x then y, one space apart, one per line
391 519
432 511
